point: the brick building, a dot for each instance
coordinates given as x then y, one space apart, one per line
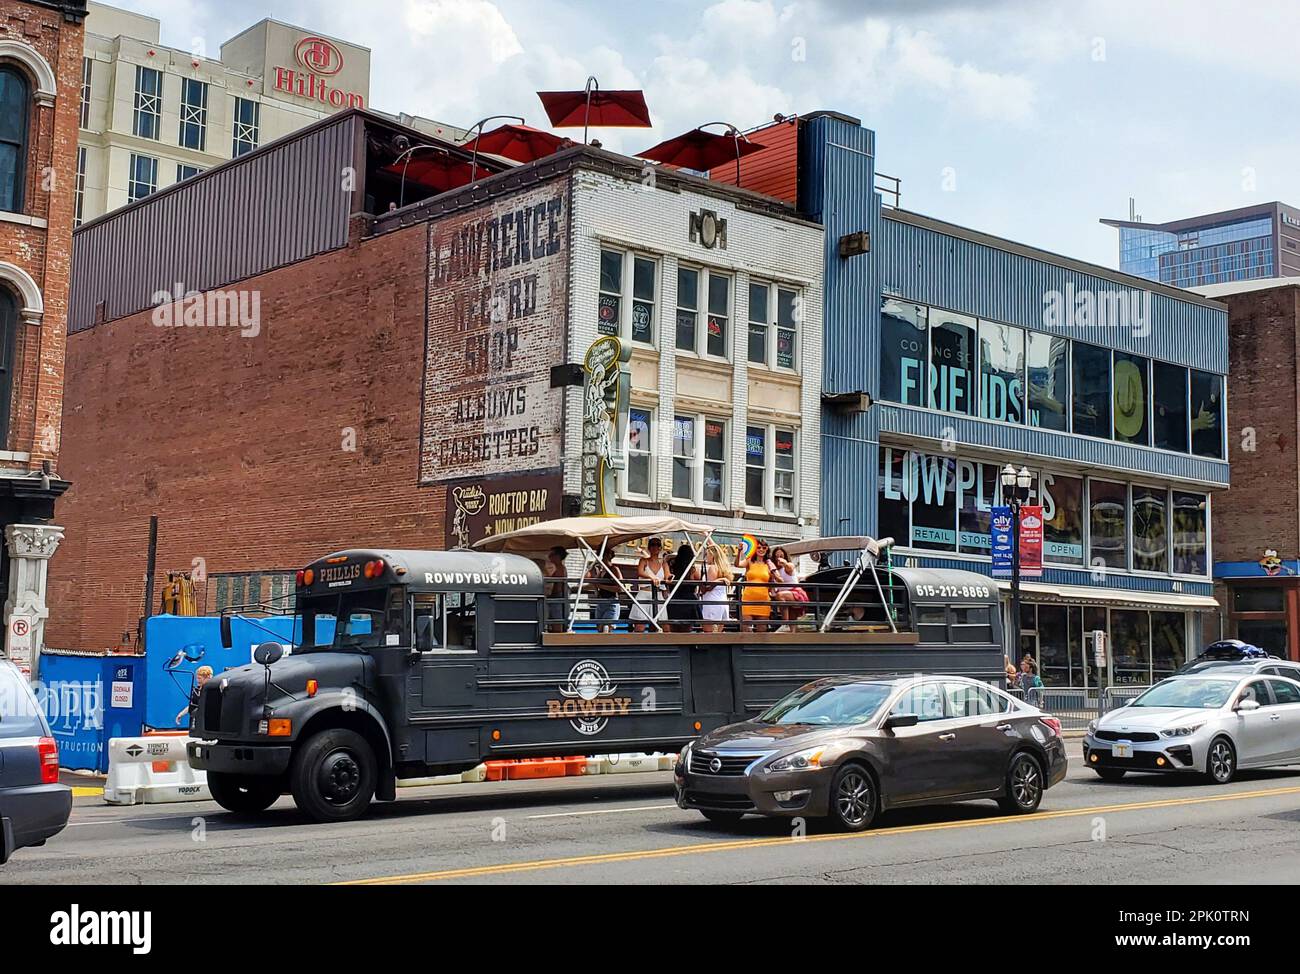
40 70
375 362
1257 523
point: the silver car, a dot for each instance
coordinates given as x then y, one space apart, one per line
1213 723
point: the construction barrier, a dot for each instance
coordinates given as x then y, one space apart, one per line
151 770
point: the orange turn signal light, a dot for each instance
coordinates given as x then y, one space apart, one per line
308 576
312 687
698 725
279 727
496 735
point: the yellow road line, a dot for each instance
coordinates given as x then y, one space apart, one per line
733 845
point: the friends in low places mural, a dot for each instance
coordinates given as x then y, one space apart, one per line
943 503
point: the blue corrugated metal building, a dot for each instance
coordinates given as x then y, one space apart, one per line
978 351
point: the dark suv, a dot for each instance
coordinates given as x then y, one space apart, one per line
33 805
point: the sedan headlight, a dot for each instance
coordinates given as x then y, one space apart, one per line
684 757
1184 731
808 759
1092 727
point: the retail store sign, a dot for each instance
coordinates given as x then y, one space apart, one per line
477 509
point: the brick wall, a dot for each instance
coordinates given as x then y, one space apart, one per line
239 444
1259 511
41 245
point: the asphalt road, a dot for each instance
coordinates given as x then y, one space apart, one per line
625 829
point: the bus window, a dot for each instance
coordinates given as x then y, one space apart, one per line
427 619
971 624
932 623
460 619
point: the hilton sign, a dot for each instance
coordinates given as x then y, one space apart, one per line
320 59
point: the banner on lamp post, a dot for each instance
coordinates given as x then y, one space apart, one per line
1031 541
1000 529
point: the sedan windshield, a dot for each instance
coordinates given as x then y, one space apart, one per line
1205 694
841 705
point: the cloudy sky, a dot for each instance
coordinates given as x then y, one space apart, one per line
1030 119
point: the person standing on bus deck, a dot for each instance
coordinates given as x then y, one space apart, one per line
684 609
652 586
186 715
756 596
604 607
715 595
557 589
787 591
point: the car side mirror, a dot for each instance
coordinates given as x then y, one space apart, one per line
268 653
1247 705
901 720
227 640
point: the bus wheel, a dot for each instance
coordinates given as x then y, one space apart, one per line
243 794
333 776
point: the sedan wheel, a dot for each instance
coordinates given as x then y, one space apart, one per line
853 798
1024 786
1221 764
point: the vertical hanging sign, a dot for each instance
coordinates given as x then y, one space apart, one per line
606 389
1031 541
1000 521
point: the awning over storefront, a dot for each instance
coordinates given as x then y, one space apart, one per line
1124 598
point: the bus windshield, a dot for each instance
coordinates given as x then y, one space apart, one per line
348 620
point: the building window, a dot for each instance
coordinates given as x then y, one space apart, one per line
773 335
700 479
904 349
8 336
719 315
247 126
770 469
148 102
1002 371
184 172
143 177
1131 380
194 114
638 477
1207 414
1091 402
1107 524
1048 372
1169 406
893 504
934 502
978 489
85 92
952 362
615 269
15 108
1062 500
695 285
81 185
688 308
1150 529
1130 639
1191 540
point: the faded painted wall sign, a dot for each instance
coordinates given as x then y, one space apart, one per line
477 509
498 294
604 421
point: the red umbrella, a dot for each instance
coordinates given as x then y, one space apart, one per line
522 143
698 149
437 170
591 106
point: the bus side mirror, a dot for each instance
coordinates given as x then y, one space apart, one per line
227 640
268 653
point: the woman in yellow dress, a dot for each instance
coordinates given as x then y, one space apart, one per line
756 596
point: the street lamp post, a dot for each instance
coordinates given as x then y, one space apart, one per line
1015 491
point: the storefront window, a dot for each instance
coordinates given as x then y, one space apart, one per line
1002 370
1268 636
1062 499
934 509
952 362
1094 619
1107 524
1054 646
1049 381
1091 400
978 483
1168 643
1169 414
755 465
683 457
1131 401
1150 529
892 508
903 352
1190 541
1207 414
1130 640
715 460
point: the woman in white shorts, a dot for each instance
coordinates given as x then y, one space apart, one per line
715 597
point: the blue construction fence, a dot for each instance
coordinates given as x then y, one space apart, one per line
90 698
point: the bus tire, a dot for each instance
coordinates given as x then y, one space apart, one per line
333 776
243 794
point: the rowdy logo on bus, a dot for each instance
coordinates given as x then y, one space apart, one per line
589 700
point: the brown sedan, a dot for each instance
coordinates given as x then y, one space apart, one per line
848 748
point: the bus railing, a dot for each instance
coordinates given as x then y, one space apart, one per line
597 605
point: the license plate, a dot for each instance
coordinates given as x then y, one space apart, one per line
1122 749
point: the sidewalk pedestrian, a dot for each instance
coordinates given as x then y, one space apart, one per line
186 715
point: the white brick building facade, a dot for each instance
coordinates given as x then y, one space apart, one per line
755 409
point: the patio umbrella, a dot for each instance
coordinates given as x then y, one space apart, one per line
591 106
522 143
698 149
437 170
